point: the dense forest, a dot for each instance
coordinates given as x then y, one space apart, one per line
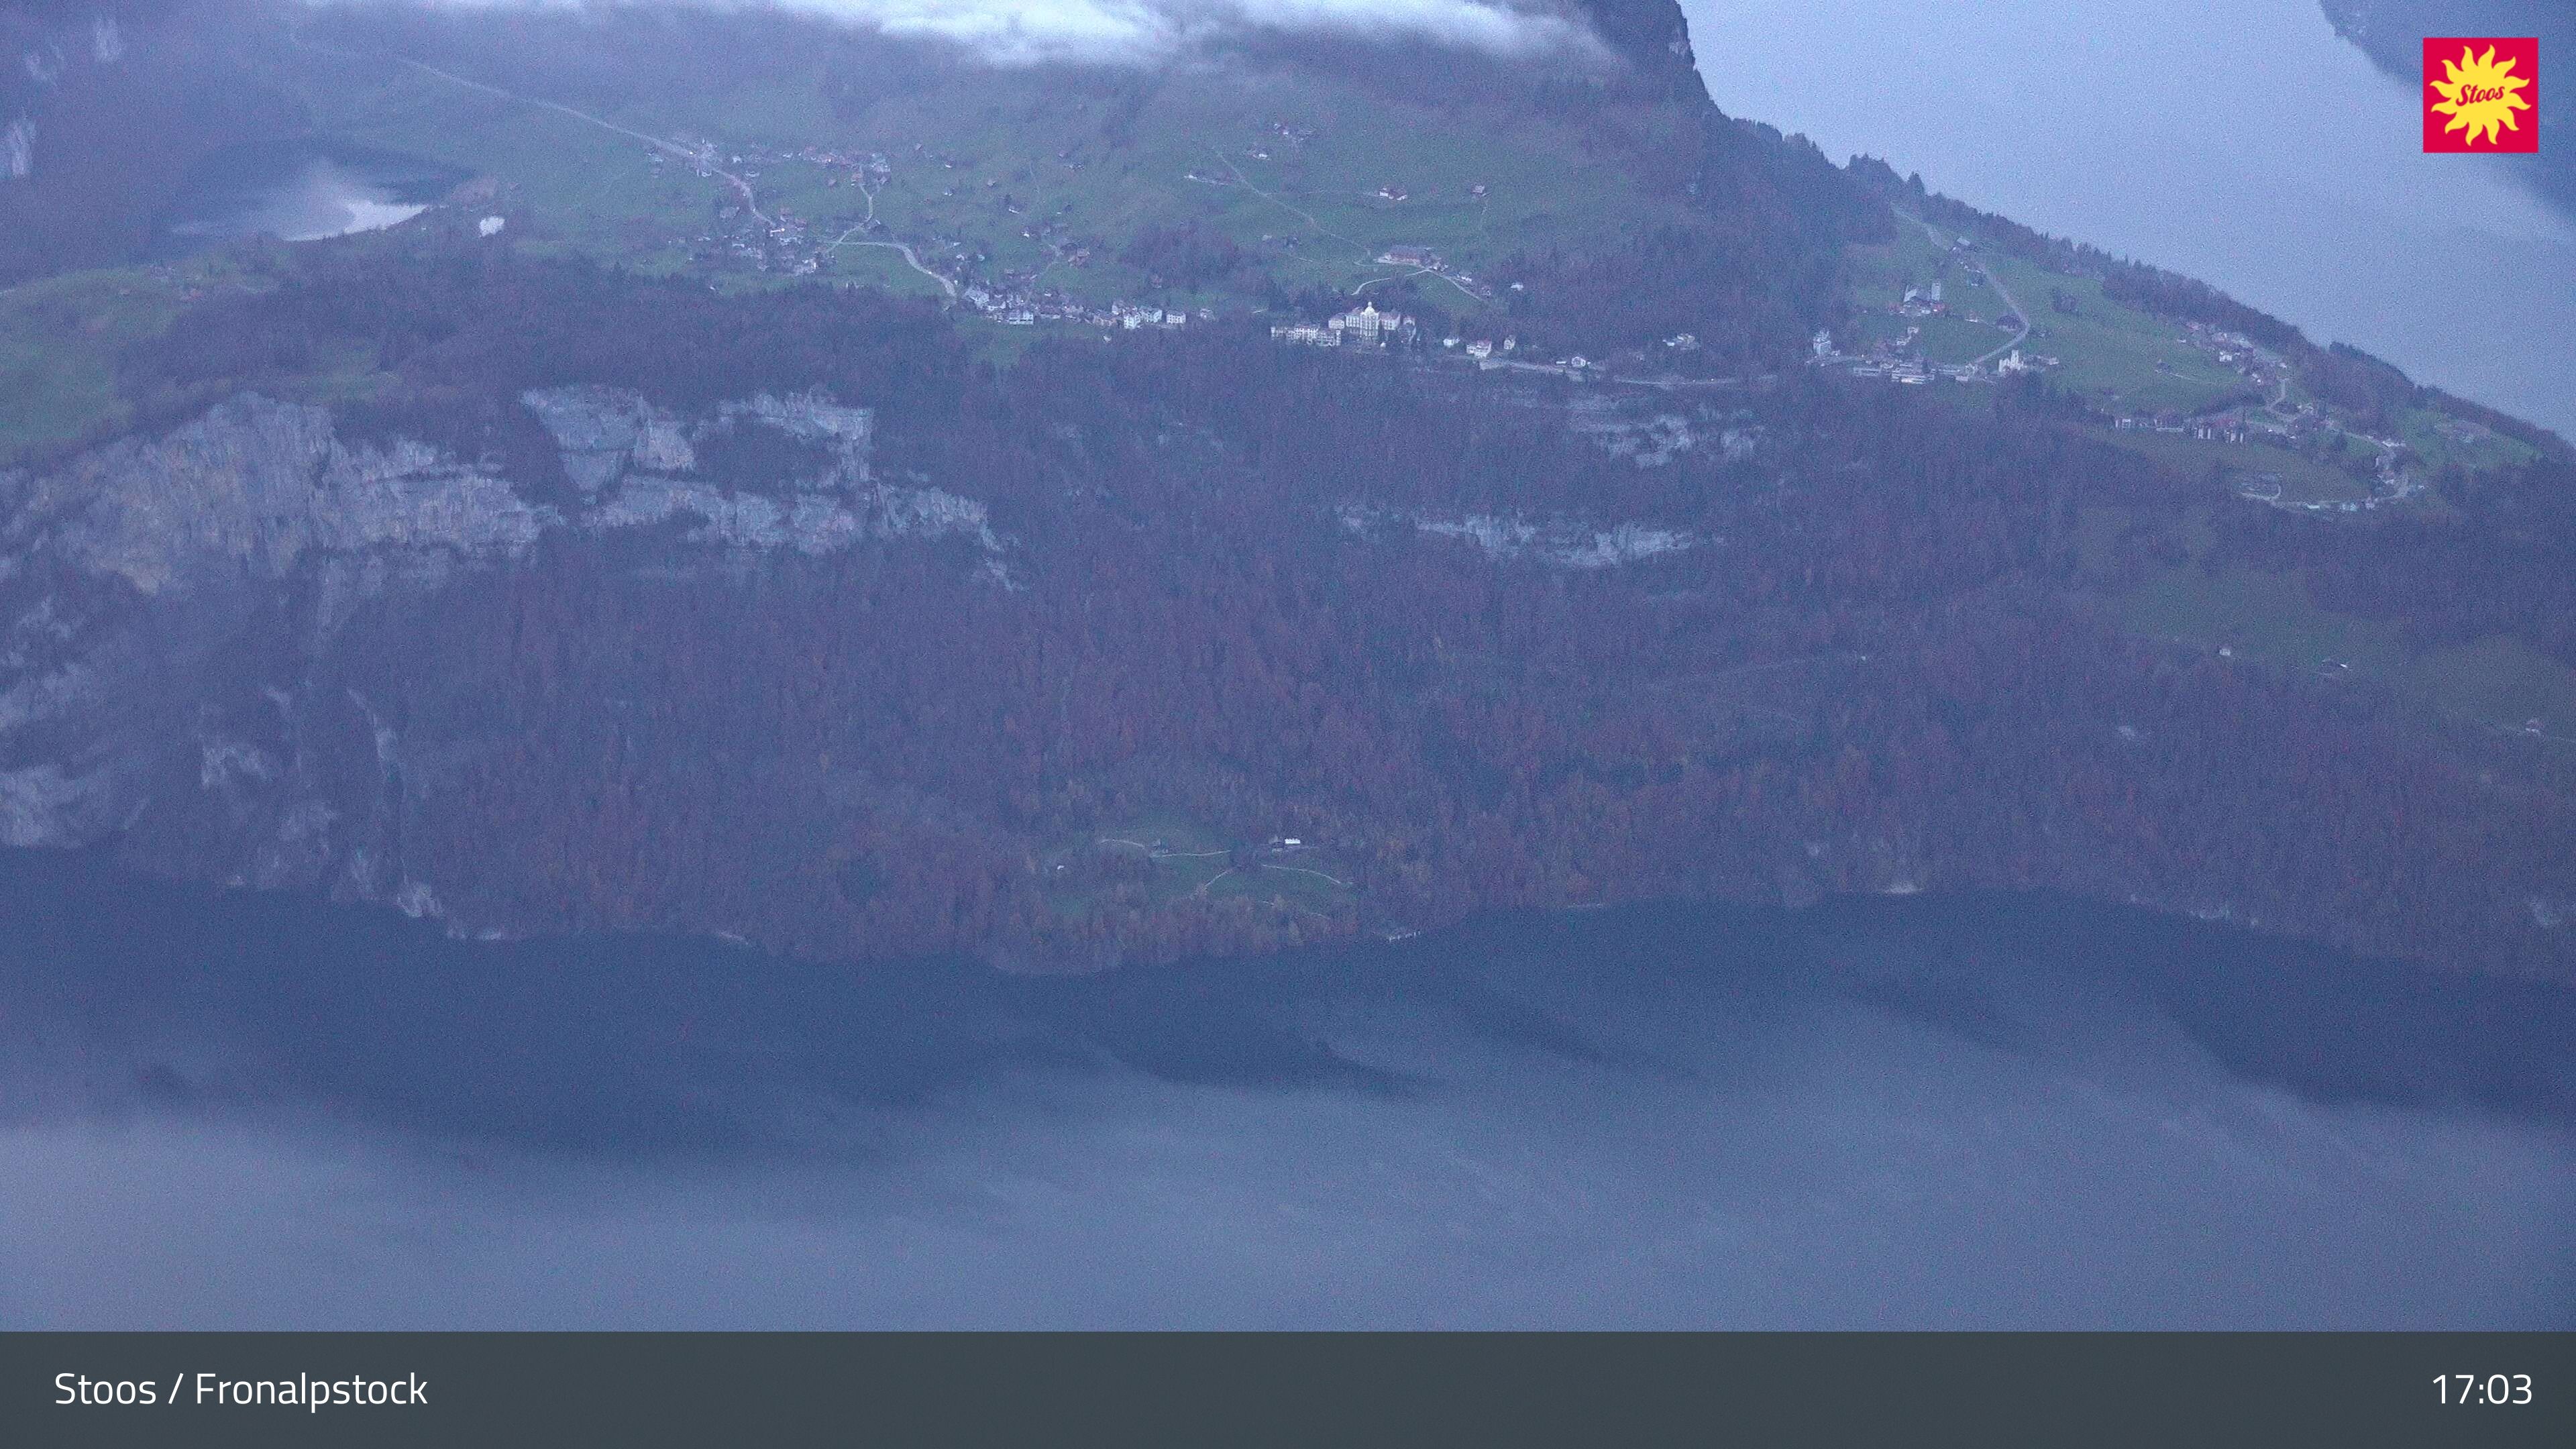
1238 593
1475 638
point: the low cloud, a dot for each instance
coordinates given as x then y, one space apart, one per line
249 1112
1028 32
1799 1160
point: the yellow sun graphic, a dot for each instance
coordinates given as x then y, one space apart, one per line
2479 95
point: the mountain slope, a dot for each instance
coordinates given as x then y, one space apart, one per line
517 566
1044 663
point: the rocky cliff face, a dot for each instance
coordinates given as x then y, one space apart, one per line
1652 36
168 603
733 671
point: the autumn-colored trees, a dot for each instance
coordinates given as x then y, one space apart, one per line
1871 666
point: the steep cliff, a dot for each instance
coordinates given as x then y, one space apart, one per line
176 604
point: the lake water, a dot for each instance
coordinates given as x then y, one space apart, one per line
301 190
261 1111
2239 141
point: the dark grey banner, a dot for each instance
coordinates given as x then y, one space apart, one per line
1325 1389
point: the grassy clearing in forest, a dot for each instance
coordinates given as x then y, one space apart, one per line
2268 619
1158 860
59 342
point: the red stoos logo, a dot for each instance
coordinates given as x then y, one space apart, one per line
2481 93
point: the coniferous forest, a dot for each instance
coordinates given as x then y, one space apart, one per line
1241 586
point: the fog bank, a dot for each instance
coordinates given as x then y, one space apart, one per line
1674 1122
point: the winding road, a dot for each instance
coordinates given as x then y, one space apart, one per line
1368 255
742 187
2020 313
843 240
910 260
750 202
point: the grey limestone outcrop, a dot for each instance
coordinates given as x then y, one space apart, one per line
169 605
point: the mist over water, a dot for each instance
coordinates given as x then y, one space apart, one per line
301 190
2239 141
1999 1112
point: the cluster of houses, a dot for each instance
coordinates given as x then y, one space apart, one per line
1022 309
2286 423
737 235
781 241
1890 359
1364 326
789 244
2013 362
1367 327
1897 359
859 168
2223 428
1889 362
